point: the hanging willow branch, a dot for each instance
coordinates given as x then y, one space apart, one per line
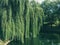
20 18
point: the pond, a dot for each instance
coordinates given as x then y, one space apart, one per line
48 36
35 41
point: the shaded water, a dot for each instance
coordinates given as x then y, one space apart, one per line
35 42
48 36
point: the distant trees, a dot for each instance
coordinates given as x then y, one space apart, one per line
51 19
51 10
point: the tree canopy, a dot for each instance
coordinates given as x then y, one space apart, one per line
19 19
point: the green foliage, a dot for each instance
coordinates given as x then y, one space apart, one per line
51 10
20 18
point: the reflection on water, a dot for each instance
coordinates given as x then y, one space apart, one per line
48 42
48 36
35 41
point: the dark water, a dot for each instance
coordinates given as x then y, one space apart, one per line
48 36
35 41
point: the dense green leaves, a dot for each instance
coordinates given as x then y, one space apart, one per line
20 20
51 10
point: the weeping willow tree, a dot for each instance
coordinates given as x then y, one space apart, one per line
20 19
12 20
36 21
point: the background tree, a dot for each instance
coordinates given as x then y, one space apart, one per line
51 10
51 20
